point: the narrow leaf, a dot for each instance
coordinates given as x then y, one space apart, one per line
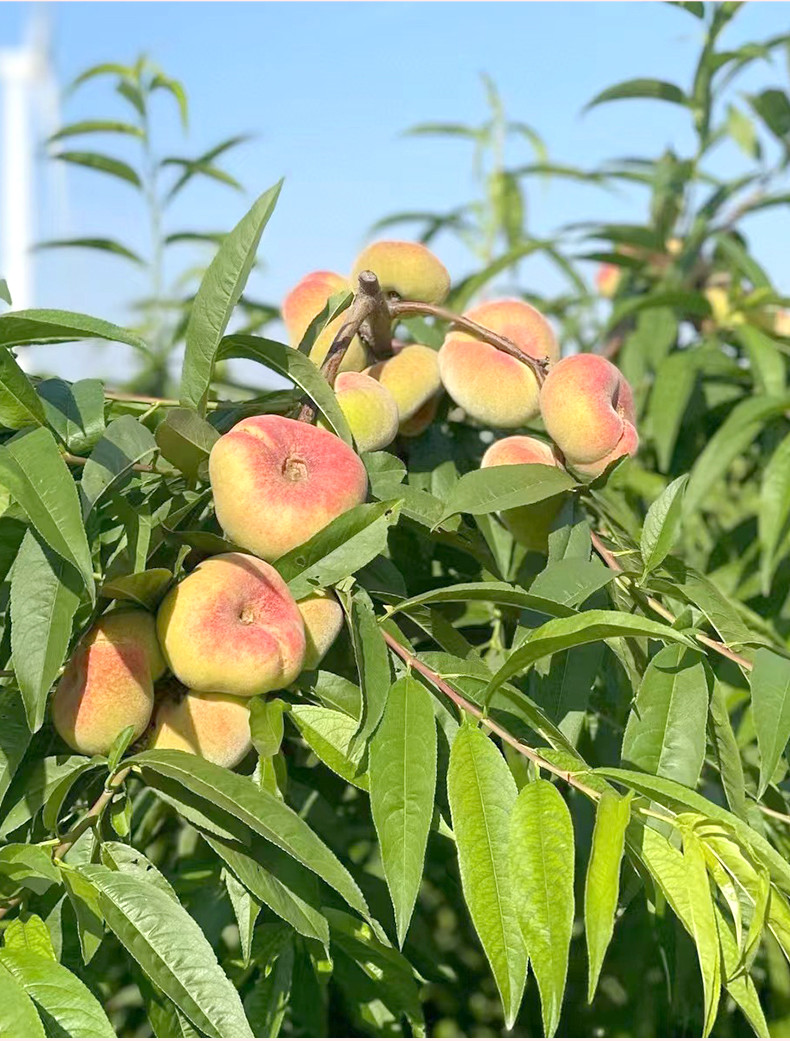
602 885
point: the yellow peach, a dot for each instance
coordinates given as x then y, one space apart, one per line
213 726
370 409
411 376
323 619
408 269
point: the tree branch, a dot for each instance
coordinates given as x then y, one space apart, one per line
436 680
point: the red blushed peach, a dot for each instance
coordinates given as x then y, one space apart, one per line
492 387
588 410
277 482
323 619
213 726
232 627
306 300
607 279
407 268
529 525
108 684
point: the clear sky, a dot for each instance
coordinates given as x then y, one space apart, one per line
328 88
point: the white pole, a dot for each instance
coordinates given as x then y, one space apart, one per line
17 74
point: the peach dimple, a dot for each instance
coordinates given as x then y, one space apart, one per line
277 482
232 627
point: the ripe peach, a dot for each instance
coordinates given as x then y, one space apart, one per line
411 376
323 619
277 482
407 268
214 726
607 279
422 418
588 409
108 684
370 409
529 525
304 302
232 627
491 386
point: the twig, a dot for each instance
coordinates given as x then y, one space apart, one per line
140 399
473 710
368 306
79 460
715 645
400 308
93 813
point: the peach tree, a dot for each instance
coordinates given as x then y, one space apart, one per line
366 706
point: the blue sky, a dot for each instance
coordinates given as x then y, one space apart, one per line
328 88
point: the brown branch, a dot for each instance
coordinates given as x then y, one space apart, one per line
401 308
715 645
80 460
368 306
436 680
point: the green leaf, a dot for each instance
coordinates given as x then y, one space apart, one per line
75 411
740 429
506 487
585 627
33 470
33 786
28 866
124 443
130 861
263 813
330 734
145 588
672 389
61 994
774 509
482 794
30 934
267 1002
768 364
14 735
266 725
662 524
658 90
703 925
726 752
245 910
739 985
665 734
102 245
294 366
571 581
373 665
102 163
44 599
602 885
344 546
501 593
218 294
541 872
18 1015
5 294
402 773
285 887
185 439
170 948
770 687
96 126
18 328
773 107
20 406
175 88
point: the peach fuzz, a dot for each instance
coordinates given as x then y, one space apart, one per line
492 387
529 525
277 482
232 627
323 619
407 268
588 410
108 684
304 302
370 409
411 376
214 726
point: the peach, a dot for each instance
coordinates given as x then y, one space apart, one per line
323 619
108 684
607 279
491 386
407 268
588 410
277 482
422 418
529 525
411 376
232 627
304 302
214 726
370 409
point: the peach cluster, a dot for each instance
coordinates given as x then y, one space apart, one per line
379 399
